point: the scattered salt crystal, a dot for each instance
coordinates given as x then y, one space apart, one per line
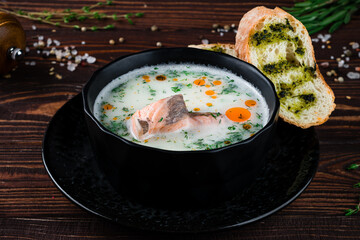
205 41
72 47
48 42
324 64
27 63
32 63
40 38
355 45
78 59
66 53
347 59
346 65
41 44
322 46
58 54
85 56
53 62
331 57
221 34
74 52
341 63
353 75
344 48
315 40
359 54
56 42
62 64
71 67
46 53
91 59
326 37
35 44
38 51
83 43
27 49
33 27
235 31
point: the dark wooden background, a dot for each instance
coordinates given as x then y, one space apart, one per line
31 207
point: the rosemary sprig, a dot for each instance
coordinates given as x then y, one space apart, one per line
316 15
349 212
67 16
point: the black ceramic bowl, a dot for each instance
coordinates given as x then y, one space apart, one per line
178 178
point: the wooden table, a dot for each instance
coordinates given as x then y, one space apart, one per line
31 207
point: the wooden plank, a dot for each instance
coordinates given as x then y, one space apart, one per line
31 207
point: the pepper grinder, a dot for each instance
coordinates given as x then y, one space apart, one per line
12 42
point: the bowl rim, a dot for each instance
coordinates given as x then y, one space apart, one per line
271 121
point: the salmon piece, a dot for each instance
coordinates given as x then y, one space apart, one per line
167 115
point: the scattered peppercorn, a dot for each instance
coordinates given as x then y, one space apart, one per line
154 28
58 76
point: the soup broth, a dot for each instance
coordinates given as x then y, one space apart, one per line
230 108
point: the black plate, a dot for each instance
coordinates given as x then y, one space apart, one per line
69 160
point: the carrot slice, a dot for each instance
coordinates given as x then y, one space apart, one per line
199 82
250 103
238 114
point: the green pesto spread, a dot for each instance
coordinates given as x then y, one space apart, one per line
303 101
216 48
274 33
285 91
289 98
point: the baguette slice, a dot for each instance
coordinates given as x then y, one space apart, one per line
217 47
280 46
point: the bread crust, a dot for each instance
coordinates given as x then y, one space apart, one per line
247 27
229 48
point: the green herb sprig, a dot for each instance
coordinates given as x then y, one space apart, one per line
356 209
316 15
66 17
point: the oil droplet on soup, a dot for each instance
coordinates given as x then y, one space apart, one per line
160 78
237 108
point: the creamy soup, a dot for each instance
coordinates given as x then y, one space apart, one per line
181 107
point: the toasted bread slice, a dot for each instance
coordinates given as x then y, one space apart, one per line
280 46
218 47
